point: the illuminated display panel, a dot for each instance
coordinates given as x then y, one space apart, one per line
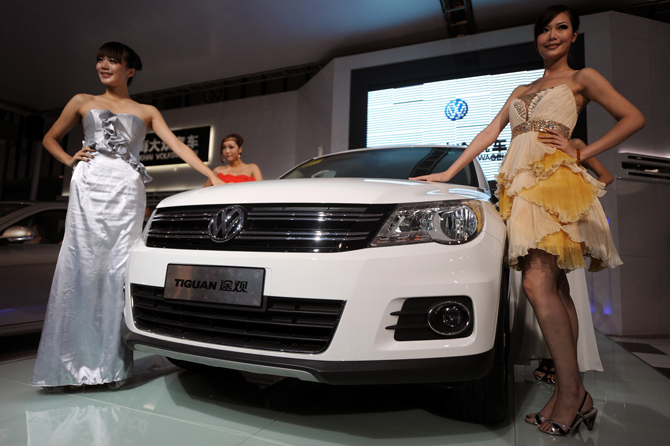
431 113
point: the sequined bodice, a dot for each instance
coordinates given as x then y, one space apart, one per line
554 107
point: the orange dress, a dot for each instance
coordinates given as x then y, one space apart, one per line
227 178
548 201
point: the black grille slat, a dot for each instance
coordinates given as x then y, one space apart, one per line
286 324
272 228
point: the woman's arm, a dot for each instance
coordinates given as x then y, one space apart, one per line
216 171
256 172
595 166
483 140
69 117
162 130
604 175
595 87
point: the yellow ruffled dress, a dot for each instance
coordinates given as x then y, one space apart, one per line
548 201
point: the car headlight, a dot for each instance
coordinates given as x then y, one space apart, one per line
147 226
448 222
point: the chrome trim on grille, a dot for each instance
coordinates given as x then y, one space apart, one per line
272 228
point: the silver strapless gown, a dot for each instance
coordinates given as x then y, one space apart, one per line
81 340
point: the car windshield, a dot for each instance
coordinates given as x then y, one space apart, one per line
393 163
8 208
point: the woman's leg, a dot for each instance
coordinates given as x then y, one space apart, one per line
540 283
566 298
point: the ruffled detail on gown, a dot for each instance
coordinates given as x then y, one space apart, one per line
549 201
115 143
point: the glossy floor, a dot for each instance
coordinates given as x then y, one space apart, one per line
164 405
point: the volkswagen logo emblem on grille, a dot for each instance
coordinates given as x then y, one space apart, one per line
227 223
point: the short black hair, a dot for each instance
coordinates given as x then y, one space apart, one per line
119 51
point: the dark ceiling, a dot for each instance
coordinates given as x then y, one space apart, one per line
48 47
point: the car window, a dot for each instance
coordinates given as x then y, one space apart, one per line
8 208
394 163
48 226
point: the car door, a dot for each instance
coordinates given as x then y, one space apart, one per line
26 271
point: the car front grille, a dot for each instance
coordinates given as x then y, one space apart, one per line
286 324
272 228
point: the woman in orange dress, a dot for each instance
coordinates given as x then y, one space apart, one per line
550 203
235 171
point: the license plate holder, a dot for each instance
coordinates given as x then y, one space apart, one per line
225 285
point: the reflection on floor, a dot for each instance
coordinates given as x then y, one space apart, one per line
164 405
655 351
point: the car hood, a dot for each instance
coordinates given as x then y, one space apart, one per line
325 190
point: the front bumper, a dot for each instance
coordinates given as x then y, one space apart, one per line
374 282
430 370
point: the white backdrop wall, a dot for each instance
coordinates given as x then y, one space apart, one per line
634 54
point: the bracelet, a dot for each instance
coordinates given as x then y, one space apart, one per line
579 157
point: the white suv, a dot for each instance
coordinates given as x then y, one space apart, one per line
341 272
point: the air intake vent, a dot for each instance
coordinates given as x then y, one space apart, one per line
285 324
647 168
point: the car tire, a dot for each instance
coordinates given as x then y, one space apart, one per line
484 400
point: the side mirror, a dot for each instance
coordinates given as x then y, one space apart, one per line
17 234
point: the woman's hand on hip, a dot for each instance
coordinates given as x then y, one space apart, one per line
553 138
85 154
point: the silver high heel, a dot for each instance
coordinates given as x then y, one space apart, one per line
588 418
534 418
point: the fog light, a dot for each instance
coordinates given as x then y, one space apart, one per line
449 318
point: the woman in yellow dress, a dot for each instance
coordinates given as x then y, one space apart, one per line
550 203
526 337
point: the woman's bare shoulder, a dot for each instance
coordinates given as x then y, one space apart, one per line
83 102
587 76
523 88
145 111
78 106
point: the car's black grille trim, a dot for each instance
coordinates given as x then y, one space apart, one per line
272 228
284 324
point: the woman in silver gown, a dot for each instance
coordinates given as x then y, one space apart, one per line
81 340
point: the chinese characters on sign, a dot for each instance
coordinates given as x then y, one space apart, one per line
495 152
491 158
155 152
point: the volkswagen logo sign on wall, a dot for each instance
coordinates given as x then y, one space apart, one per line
456 109
227 223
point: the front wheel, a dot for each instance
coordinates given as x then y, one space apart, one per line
484 400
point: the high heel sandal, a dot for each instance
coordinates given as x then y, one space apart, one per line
588 418
550 376
534 419
541 371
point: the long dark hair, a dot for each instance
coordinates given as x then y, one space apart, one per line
119 51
